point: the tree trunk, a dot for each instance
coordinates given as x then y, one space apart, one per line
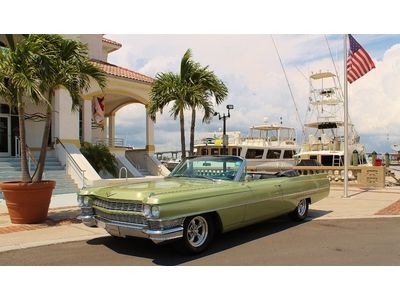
25 176
182 125
192 126
37 176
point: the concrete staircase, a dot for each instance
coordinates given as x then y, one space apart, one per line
144 172
10 170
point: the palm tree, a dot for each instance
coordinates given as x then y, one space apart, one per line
210 87
18 82
69 67
190 89
38 65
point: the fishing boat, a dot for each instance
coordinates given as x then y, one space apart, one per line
324 134
268 146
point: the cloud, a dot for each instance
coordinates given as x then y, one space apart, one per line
250 67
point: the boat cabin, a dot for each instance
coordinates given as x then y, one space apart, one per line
266 144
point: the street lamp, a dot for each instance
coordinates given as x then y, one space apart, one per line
224 136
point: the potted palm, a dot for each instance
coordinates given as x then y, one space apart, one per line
31 70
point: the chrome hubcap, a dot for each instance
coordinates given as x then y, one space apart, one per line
197 231
302 207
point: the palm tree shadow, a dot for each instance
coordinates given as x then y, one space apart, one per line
167 254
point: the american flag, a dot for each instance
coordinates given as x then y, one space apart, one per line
358 61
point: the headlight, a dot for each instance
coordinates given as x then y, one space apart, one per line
151 211
155 211
146 210
83 200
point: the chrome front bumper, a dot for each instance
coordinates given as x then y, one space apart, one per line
124 229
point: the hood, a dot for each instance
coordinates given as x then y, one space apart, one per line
160 189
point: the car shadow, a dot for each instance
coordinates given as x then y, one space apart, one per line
168 255
316 213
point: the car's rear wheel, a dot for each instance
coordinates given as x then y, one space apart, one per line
198 232
301 211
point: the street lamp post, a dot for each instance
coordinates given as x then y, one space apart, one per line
224 136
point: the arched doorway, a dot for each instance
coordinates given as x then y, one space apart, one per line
130 124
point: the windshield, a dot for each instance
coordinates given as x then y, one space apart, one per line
209 167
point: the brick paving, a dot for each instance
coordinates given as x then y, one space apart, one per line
25 227
393 209
56 217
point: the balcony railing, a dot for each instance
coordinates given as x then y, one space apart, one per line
116 142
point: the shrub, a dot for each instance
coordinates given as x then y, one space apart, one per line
100 157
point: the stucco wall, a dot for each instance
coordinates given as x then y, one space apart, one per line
34 127
66 125
95 44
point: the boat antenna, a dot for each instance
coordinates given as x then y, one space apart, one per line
354 131
334 66
290 89
304 76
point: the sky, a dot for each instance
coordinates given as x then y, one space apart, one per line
249 66
234 39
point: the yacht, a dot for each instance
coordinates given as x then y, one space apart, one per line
268 147
324 134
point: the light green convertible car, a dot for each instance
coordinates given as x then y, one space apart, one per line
201 197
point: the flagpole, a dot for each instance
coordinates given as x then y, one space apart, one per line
346 118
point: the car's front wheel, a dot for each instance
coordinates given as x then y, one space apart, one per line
301 211
198 232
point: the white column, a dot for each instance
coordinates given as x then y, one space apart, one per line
87 121
111 129
149 133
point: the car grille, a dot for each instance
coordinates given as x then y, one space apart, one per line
124 206
126 218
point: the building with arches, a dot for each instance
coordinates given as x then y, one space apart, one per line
94 123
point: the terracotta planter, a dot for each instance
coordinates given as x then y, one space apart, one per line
27 203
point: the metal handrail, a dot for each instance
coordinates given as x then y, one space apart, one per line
17 149
74 163
126 172
31 157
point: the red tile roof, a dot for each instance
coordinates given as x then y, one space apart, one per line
111 42
122 72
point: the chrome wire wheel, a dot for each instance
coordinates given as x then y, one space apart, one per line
302 208
197 231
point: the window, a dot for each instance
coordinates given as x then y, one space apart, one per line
4 109
288 154
327 160
214 151
204 151
254 153
274 154
234 151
